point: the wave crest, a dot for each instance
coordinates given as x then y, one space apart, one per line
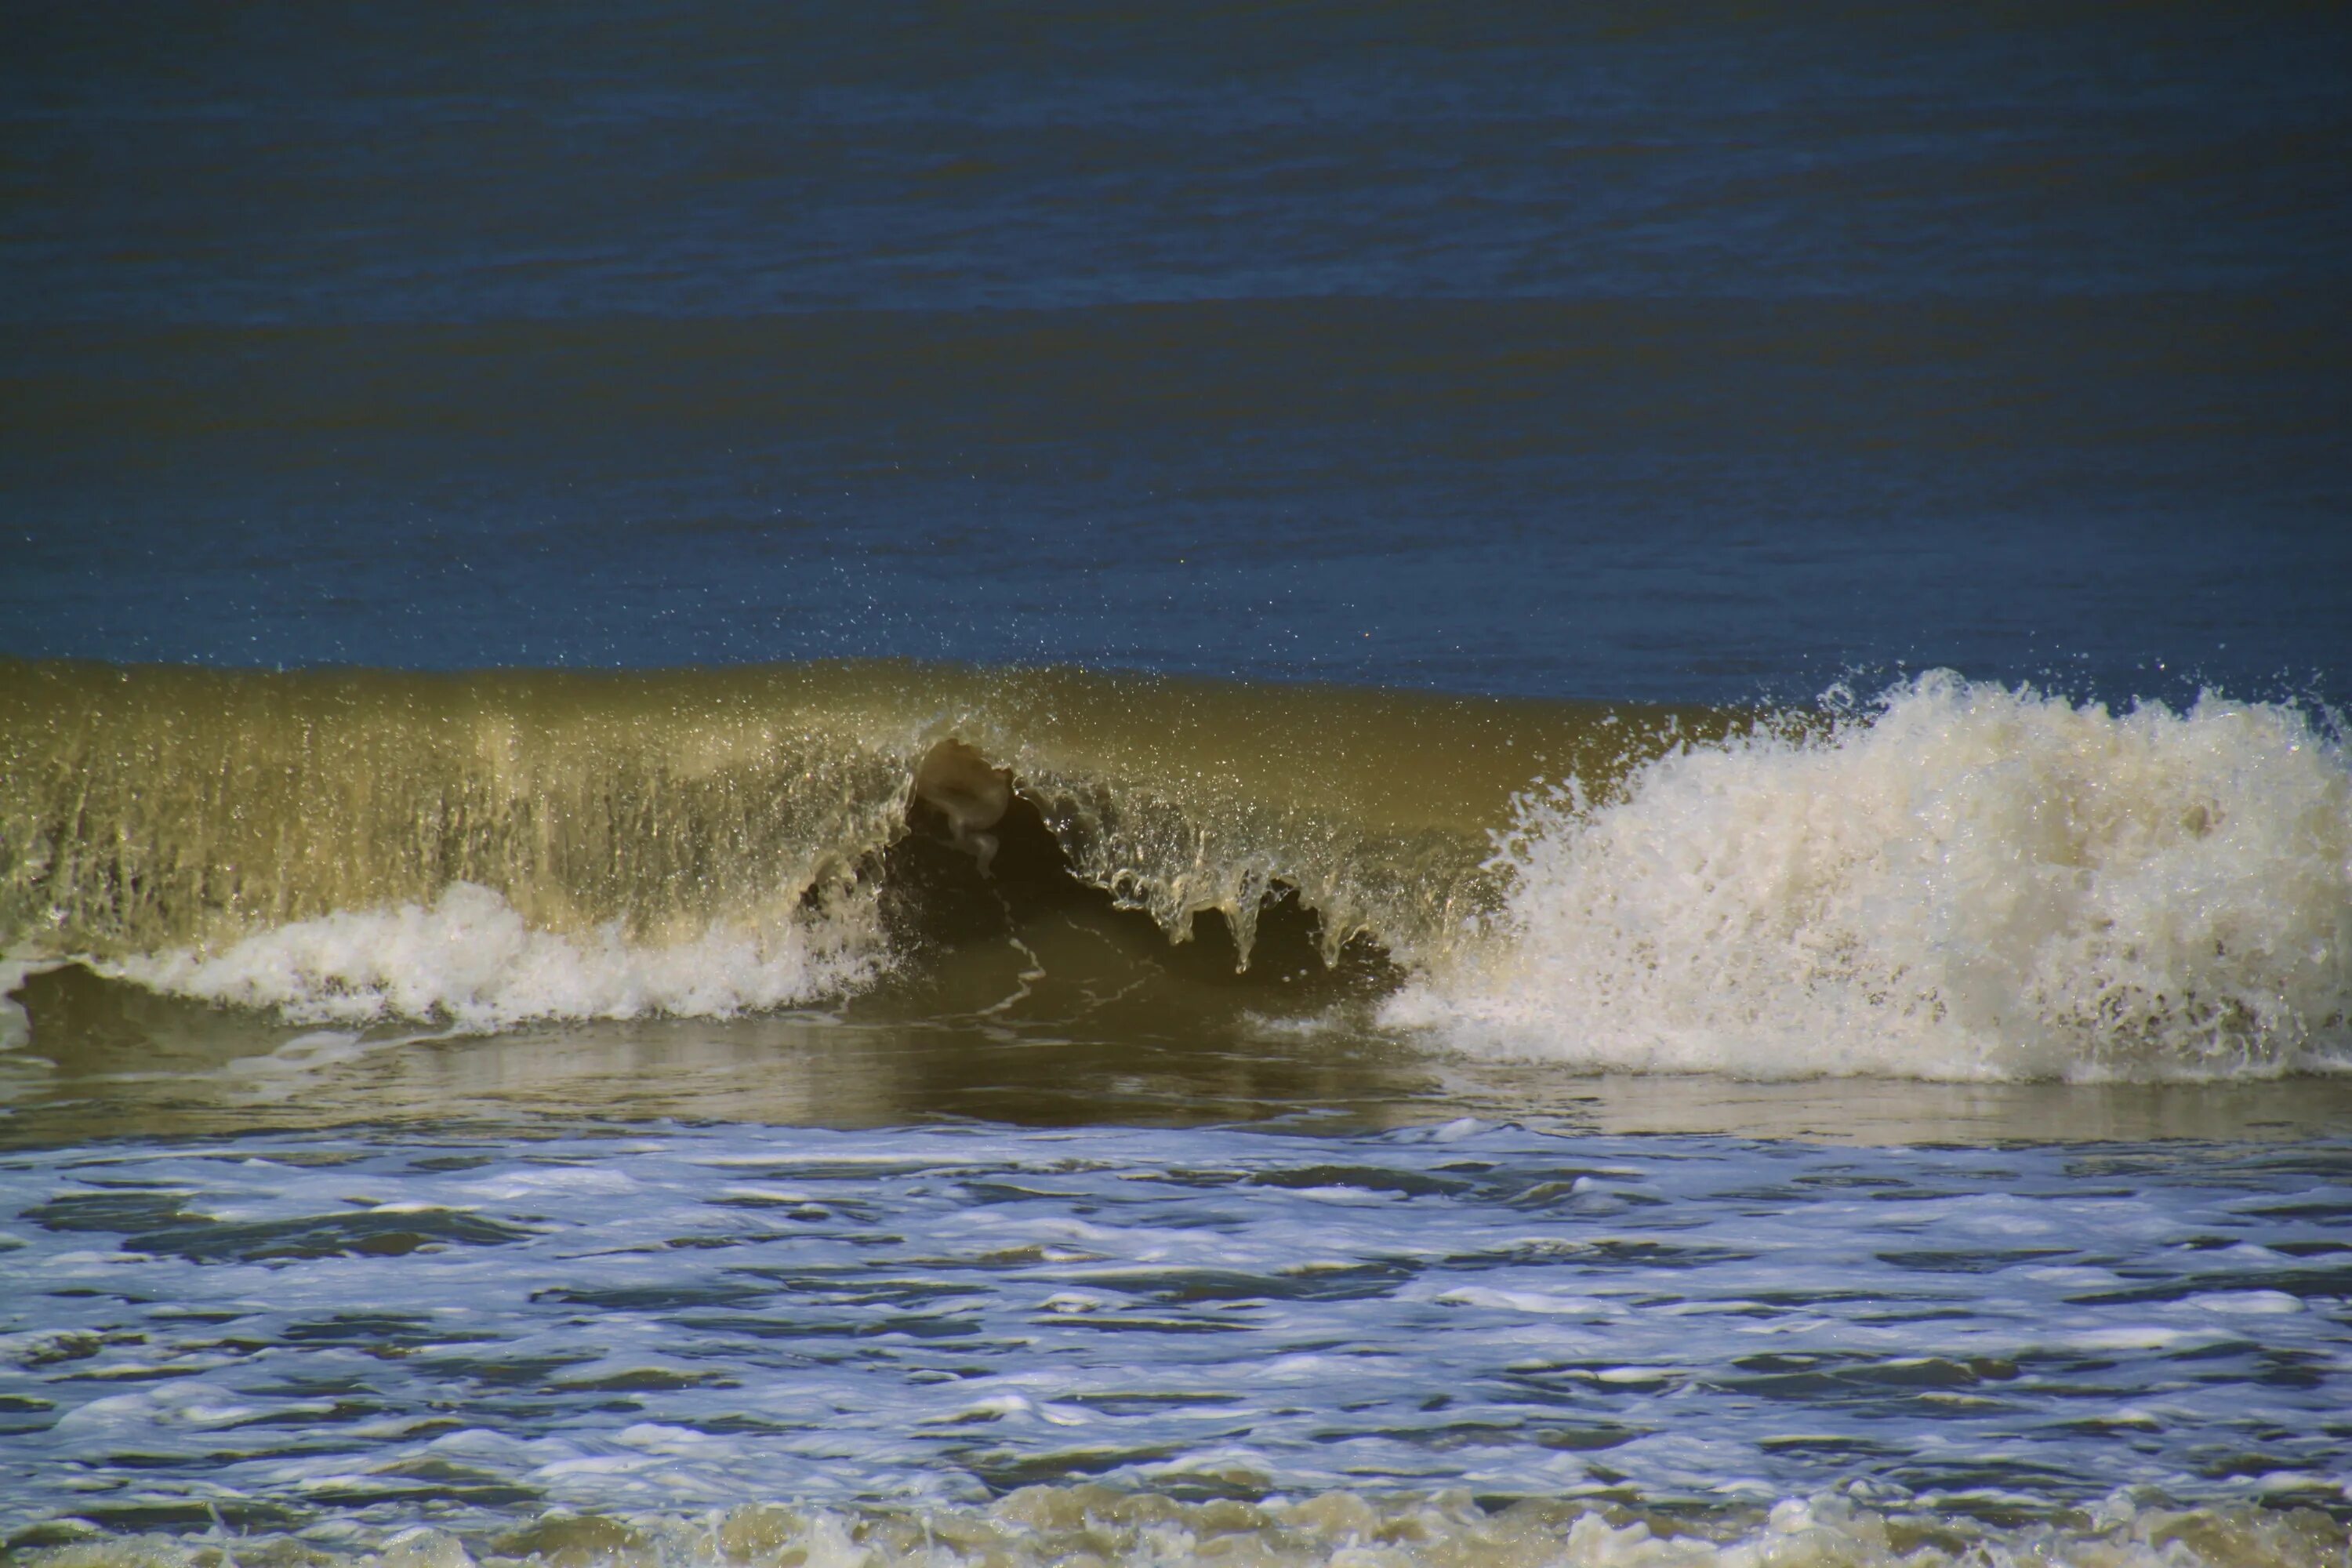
1964 882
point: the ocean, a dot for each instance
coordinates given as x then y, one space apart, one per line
1347 786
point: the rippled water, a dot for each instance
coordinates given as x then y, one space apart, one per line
275 1331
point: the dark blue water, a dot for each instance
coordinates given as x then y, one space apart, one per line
1692 352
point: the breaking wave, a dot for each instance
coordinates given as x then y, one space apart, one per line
1956 881
1961 881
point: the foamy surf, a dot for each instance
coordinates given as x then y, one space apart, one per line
470 959
332 1334
1961 883
1087 1526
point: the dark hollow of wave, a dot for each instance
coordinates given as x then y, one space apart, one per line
937 898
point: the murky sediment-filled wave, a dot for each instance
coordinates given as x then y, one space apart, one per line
1954 880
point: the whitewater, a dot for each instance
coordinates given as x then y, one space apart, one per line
589 1339
1956 881
1950 880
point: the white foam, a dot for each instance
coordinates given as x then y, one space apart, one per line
1968 882
1087 1523
470 958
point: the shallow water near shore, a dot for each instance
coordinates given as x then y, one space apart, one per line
334 1335
115 1061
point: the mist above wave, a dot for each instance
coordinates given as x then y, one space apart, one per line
1959 882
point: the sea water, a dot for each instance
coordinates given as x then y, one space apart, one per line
1353 785
317 1334
718 1159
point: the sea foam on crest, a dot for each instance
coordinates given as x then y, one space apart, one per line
471 958
1967 882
